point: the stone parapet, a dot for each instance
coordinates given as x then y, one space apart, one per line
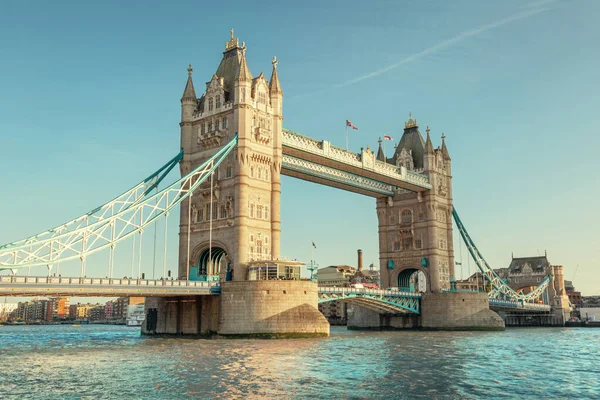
271 309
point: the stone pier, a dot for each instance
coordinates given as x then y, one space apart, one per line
271 309
266 309
439 311
182 316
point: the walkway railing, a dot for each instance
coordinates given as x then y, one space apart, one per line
68 281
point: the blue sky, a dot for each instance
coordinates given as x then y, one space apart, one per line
89 105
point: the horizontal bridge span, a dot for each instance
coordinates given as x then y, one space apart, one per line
364 164
103 287
312 172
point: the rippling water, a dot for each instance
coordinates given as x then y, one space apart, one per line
112 362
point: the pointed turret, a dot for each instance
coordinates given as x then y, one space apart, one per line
380 154
274 86
428 144
444 148
244 73
189 92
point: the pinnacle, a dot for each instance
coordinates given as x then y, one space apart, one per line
274 86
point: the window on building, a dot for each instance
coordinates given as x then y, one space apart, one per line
266 212
266 240
210 104
251 210
392 219
418 244
397 246
201 215
210 126
251 238
203 129
218 101
260 171
421 216
222 211
259 210
215 210
251 172
229 172
218 124
224 123
259 248
407 243
406 216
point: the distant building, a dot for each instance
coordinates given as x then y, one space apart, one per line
336 275
97 313
56 308
119 306
574 296
590 301
7 310
108 309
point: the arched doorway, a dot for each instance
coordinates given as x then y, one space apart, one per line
412 280
210 263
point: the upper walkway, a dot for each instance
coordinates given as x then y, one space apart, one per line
321 162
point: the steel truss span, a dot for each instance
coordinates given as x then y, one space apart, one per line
500 289
113 222
382 301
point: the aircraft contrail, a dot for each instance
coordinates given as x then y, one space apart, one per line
446 43
534 8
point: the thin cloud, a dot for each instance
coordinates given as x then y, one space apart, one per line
535 9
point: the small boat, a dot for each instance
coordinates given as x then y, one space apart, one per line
77 325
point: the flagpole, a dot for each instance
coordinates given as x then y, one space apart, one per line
384 153
346 135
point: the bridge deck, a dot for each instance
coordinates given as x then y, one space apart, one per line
107 287
319 161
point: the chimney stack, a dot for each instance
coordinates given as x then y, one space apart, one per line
360 264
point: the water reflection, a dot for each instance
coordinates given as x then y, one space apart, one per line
62 362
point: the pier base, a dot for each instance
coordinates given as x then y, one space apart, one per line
458 311
271 309
181 316
360 318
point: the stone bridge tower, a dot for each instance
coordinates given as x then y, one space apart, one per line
415 229
244 201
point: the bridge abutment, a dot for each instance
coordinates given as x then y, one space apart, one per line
271 309
458 311
439 311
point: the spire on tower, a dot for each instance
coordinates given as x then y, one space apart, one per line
380 154
244 73
274 86
444 148
428 144
189 92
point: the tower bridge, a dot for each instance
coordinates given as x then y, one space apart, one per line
232 279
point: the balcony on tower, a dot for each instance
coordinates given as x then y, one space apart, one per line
274 270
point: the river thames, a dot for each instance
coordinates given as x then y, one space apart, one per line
114 362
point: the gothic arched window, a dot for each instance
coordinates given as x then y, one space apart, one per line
210 104
218 101
406 216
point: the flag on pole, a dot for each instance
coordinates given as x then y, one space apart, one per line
350 124
386 137
314 245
